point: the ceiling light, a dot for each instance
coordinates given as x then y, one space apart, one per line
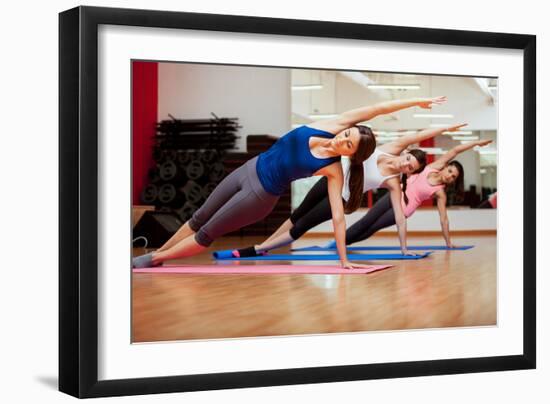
485 151
433 150
306 87
322 116
465 137
458 132
390 134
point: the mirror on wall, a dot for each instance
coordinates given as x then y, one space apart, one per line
321 94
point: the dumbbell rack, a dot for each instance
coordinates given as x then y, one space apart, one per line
188 157
192 157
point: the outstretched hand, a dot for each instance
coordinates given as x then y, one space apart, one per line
454 128
408 253
483 142
350 265
428 103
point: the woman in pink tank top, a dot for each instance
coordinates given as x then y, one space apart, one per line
489 203
430 183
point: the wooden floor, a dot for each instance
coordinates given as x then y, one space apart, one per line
447 289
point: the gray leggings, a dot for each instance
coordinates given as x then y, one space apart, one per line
239 200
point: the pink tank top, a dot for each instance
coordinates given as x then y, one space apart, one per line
493 200
419 190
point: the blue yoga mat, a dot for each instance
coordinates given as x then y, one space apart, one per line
385 248
226 255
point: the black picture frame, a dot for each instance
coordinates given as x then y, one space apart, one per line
78 196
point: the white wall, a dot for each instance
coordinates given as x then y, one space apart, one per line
259 97
428 220
472 175
29 286
466 101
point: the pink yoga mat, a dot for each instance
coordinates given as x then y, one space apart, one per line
258 269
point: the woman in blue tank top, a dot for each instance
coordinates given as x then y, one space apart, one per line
249 193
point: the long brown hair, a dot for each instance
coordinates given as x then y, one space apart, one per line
421 158
458 184
367 144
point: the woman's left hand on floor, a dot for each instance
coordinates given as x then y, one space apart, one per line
352 265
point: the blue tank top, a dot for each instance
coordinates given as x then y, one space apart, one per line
290 159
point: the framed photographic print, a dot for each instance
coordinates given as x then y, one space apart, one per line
251 201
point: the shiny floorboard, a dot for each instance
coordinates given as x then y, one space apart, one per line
447 289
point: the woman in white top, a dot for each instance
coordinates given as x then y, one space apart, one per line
388 167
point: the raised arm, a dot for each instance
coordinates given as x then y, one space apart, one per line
443 219
397 146
350 118
441 162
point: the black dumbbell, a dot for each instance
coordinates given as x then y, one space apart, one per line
168 171
186 211
149 194
171 154
207 189
216 172
167 194
183 157
194 169
154 175
209 156
192 192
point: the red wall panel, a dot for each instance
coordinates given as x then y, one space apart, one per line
144 118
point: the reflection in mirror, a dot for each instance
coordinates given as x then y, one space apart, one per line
321 94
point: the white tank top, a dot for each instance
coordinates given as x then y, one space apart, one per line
372 177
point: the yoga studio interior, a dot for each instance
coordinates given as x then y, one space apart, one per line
195 124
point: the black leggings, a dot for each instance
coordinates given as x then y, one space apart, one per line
485 205
378 217
315 209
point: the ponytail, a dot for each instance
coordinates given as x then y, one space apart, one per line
367 144
355 187
404 188
458 185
